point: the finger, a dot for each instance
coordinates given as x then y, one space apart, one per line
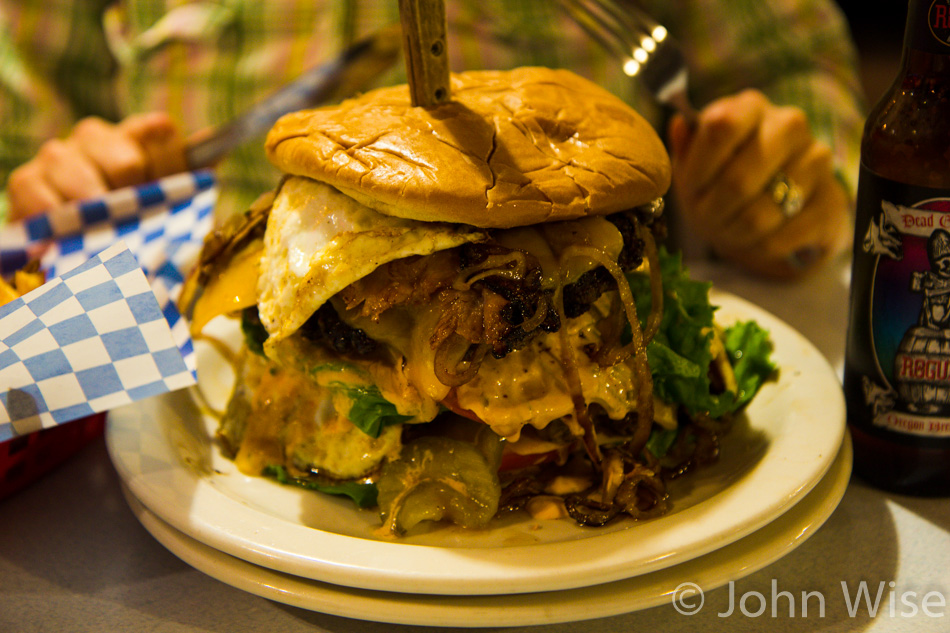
161 140
118 156
721 129
826 227
763 215
809 169
782 135
28 192
679 134
749 226
70 171
800 245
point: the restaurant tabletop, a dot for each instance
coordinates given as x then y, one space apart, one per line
74 557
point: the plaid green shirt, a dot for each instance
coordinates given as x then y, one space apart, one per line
206 61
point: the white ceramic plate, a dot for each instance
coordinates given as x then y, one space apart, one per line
713 570
164 451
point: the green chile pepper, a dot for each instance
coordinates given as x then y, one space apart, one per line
440 478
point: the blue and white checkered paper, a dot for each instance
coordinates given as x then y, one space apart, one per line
88 341
160 228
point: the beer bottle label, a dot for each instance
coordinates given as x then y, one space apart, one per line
928 26
897 368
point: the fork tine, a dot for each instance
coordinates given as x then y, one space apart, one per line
629 17
641 43
591 19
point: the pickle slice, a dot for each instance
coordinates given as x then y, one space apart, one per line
438 478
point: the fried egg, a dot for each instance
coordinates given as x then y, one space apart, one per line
318 241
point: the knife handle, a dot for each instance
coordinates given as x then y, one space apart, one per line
424 42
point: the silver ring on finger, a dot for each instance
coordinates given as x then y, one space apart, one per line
787 195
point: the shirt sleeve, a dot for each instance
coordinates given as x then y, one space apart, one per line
202 61
207 61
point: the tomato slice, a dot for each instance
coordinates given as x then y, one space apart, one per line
511 460
451 402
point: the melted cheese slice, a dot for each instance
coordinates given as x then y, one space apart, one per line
230 290
528 386
318 241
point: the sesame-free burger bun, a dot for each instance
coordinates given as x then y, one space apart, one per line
511 148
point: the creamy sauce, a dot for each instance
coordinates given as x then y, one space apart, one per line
299 424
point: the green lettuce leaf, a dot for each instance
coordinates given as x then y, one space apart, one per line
363 494
253 330
679 354
370 412
661 440
749 349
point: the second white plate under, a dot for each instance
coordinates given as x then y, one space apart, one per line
708 572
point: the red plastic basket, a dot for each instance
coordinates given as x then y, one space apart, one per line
26 458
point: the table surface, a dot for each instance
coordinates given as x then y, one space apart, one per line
74 558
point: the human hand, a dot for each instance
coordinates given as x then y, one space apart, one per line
725 170
96 157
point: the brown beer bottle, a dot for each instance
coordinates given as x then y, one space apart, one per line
897 364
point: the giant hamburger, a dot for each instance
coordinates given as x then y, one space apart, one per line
455 311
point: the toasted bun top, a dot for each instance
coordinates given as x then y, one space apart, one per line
512 148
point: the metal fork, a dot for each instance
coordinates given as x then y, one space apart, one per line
644 46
